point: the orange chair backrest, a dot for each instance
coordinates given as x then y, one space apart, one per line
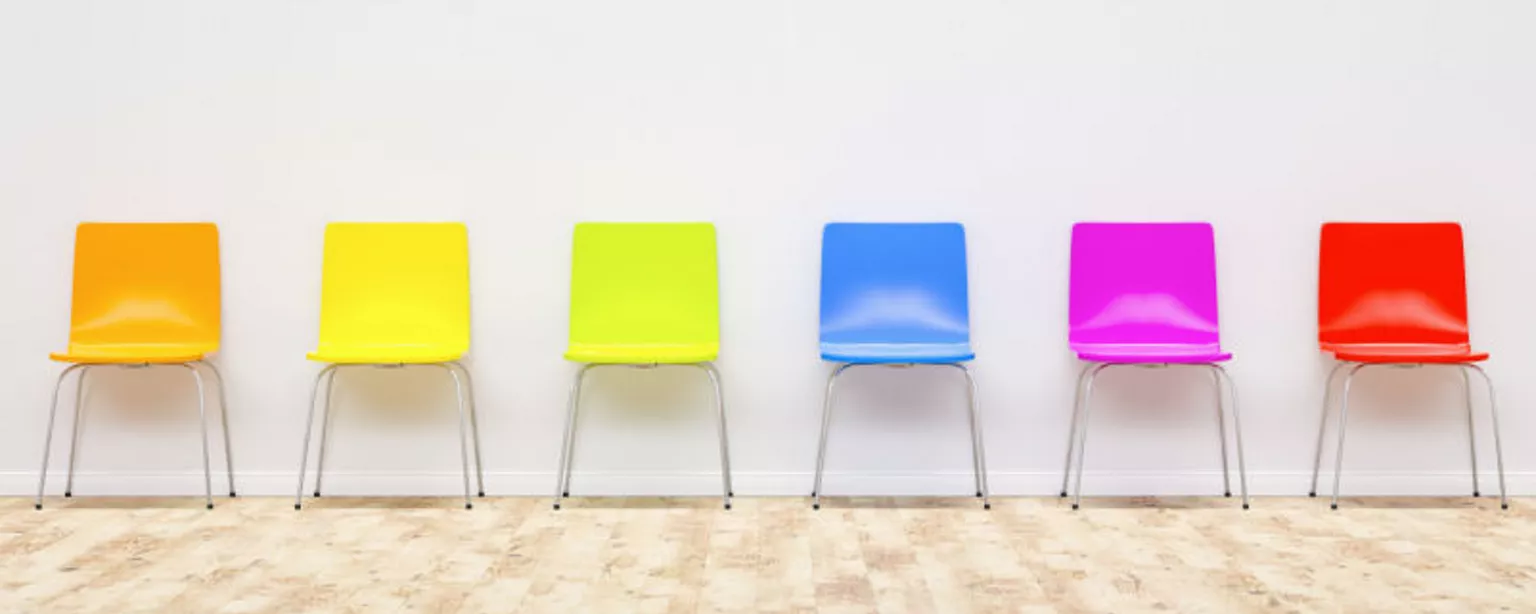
1392 284
146 284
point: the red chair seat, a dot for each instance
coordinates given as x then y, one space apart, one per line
1426 353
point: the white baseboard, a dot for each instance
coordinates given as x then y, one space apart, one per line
776 484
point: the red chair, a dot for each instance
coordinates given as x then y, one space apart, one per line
1395 295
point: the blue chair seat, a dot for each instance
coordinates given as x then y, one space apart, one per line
897 353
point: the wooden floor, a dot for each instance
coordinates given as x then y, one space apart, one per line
768 555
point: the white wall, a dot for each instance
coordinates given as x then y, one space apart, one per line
770 119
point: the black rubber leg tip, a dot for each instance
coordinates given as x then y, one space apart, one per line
727 507
1334 506
1074 506
1229 494
566 494
1245 506
730 493
1312 494
1505 506
1474 494
469 506
987 506
317 494
557 507
210 506
297 506
814 506
978 494
232 494
1063 494
482 494
813 493
38 506
68 494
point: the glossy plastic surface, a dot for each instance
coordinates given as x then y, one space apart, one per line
894 293
644 293
1393 293
394 293
1144 293
144 293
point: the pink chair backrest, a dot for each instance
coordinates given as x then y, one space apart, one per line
1143 284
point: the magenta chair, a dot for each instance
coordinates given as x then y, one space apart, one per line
1144 295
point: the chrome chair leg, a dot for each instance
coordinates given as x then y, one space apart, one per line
474 424
826 428
74 439
976 462
1498 443
567 448
309 426
1237 431
53 410
202 416
725 446
1082 442
229 455
1338 461
1221 427
978 447
1322 428
458 392
1466 381
1077 408
325 428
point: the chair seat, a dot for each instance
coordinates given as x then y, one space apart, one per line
1172 353
1447 353
133 353
643 353
386 354
897 353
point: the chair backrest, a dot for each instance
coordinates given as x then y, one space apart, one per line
146 284
894 283
395 284
1143 284
1392 284
644 284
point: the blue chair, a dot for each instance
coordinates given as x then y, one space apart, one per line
896 295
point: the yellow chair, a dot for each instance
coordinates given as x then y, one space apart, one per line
643 295
394 295
144 295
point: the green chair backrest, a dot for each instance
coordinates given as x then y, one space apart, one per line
645 285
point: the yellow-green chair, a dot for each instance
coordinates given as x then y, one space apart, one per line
394 295
643 295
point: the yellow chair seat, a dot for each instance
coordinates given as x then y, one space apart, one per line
643 353
132 354
386 354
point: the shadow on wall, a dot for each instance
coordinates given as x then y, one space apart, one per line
915 396
1431 394
147 396
395 396
1132 396
652 397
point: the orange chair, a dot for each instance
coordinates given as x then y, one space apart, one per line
1395 295
144 295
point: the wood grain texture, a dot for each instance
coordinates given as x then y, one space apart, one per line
767 555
